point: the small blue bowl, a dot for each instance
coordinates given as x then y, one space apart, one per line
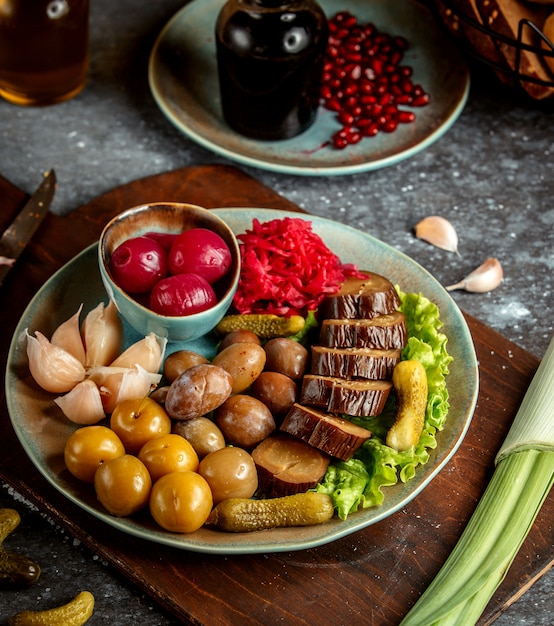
167 217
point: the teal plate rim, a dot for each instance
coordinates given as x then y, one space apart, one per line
182 75
42 429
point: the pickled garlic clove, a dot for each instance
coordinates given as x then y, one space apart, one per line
52 367
83 404
118 383
68 336
439 232
148 353
484 278
102 333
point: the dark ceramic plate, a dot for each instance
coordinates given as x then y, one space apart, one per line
43 430
183 81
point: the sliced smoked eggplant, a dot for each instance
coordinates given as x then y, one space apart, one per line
359 397
383 332
354 362
361 298
288 465
329 433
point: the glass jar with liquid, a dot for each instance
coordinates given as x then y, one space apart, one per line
43 50
270 62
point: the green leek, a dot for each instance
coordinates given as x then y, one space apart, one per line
523 477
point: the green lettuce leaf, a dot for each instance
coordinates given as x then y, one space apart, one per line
359 482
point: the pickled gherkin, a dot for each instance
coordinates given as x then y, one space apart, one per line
245 515
264 325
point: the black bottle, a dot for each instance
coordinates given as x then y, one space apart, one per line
270 61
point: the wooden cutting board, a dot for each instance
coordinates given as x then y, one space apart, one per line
371 577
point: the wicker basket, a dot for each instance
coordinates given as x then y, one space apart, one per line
485 44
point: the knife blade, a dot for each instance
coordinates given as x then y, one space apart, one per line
21 230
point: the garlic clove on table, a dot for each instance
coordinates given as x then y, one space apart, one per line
439 232
486 277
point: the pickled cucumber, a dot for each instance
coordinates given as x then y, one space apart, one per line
241 515
16 570
265 326
74 613
409 379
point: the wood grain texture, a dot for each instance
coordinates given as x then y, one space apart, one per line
371 577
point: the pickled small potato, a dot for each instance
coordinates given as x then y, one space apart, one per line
244 362
197 391
277 391
286 356
202 433
230 472
180 361
244 421
241 335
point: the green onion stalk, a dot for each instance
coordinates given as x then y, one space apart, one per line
522 479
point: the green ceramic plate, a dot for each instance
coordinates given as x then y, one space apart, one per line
43 430
183 81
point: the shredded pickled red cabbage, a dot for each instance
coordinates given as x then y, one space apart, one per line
286 268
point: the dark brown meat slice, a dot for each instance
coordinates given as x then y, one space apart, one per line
288 465
383 332
330 434
361 298
354 362
359 397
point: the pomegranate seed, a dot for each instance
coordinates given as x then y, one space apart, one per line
389 126
364 82
326 92
356 72
345 118
350 102
377 66
353 138
421 101
333 104
396 57
350 89
403 99
371 130
406 117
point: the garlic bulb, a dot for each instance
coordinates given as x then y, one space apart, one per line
439 232
83 404
68 336
484 278
119 383
102 333
148 353
52 367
